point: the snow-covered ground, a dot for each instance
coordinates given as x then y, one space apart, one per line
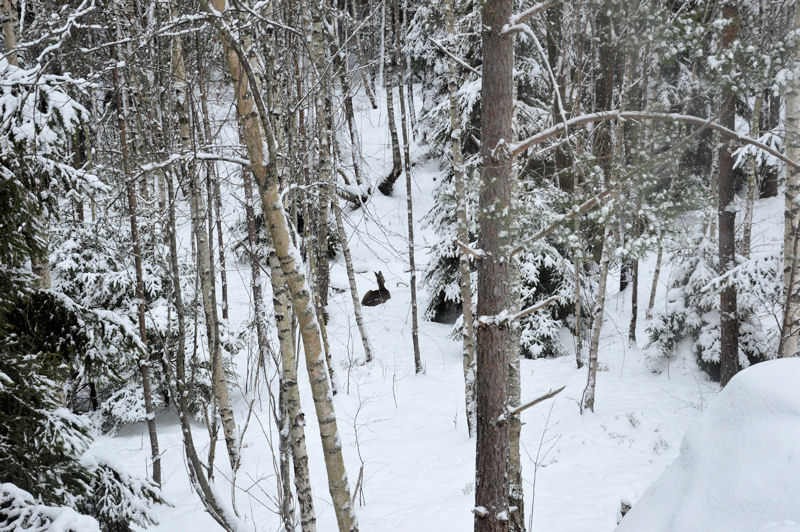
739 464
408 431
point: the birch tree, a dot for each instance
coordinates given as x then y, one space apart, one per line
258 135
790 330
468 335
130 189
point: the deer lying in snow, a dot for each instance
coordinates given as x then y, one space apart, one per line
373 298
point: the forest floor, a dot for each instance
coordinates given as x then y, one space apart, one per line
407 431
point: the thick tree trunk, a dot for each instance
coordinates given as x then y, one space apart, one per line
790 337
729 325
597 325
266 175
409 203
144 362
494 271
468 333
10 31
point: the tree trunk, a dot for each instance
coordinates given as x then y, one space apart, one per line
144 362
351 278
729 326
204 264
597 325
10 31
409 203
197 477
265 172
652 301
290 392
494 271
387 185
752 180
634 301
468 333
790 337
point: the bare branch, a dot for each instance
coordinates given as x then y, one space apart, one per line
545 397
504 319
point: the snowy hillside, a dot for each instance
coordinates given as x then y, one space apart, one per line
408 432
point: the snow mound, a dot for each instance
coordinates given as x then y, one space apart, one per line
739 466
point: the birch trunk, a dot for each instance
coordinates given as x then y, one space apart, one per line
351 278
468 336
197 477
204 264
752 180
597 325
409 202
265 173
212 183
144 363
325 176
289 390
654 286
790 337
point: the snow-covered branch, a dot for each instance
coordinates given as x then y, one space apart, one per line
518 148
582 208
515 22
455 58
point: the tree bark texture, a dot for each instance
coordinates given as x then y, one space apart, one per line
494 274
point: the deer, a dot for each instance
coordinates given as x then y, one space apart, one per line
373 298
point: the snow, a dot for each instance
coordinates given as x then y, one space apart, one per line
21 512
408 431
739 463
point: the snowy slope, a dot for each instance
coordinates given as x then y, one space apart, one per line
408 430
739 464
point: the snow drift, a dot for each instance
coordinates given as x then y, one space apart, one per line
739 466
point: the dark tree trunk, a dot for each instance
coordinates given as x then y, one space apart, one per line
387 185
729 326
494 295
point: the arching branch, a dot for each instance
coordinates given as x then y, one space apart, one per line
602 116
